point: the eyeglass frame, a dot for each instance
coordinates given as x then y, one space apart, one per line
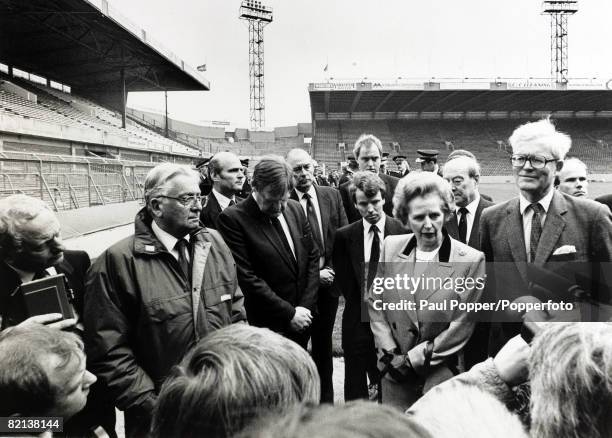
189 202
527 157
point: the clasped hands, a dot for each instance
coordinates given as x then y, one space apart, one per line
398 366
301 320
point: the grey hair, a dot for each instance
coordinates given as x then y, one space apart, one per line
570 370
421 184
158 177
366 140
459 402
543 132
15 212
230 377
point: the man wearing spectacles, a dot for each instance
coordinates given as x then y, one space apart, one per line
541 226
227 175
151 296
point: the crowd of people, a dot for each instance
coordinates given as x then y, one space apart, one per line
216 317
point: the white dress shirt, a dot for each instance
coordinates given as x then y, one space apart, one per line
223 200
168 240
315 202
368 237
527 214
285 227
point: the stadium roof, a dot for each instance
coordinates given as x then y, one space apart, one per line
458 98
85 44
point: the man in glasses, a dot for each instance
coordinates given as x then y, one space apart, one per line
541 226
153 295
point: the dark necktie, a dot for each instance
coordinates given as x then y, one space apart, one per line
536 229
182 246
314 224
281 236
232 202
374 256
463 224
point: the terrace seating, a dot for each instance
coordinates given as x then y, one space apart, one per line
487 139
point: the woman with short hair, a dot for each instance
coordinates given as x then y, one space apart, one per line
417 304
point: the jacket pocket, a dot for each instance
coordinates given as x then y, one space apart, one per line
169 309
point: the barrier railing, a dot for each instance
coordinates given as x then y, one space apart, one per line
66 182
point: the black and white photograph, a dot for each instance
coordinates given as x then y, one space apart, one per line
288 219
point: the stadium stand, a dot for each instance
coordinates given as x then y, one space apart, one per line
58 107
480 121
241 141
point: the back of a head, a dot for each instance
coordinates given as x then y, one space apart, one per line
231 377
16 211
458 410
358 419
570 371
25 385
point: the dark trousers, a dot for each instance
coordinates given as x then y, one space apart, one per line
322 329
300 338
357 368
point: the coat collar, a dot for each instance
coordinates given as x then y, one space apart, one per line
443 254
145 241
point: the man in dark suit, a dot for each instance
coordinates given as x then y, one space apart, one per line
276 257
31 248
227 176
540 226
323 209
356 254
368 150
606 200
463 173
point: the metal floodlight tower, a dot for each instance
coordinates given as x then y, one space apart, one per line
559 11
258 16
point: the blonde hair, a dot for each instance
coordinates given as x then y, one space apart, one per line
468 412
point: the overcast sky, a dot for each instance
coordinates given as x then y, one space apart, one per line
383 39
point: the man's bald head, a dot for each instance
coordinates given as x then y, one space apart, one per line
226 173
302 165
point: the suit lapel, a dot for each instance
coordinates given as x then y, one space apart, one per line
552 229
268 230
293 225
474 241
356 250
452 228
513 224
325 209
